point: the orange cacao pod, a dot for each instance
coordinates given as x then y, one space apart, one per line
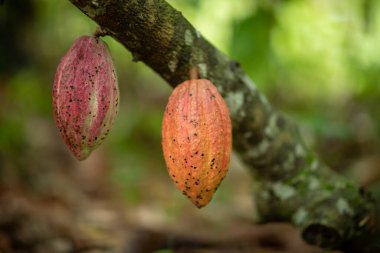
196 139
85 95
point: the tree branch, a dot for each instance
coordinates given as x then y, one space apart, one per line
295 186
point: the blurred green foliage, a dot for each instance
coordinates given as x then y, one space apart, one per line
318 61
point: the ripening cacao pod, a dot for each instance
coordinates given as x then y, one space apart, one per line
196 139
85 95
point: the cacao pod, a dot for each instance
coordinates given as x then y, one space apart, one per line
85 95
196 139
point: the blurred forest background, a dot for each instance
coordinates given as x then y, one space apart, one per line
317 61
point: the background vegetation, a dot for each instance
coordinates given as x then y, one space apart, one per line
317 61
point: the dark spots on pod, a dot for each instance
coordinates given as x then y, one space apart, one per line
71 87
196 152
190 94
176 182
188 187
173 175
202 154
173 140
212 163
196 183
197 203
199 197
217 186
189 174
194 122
212 96
195 134
207 190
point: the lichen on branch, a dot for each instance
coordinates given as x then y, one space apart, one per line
295 186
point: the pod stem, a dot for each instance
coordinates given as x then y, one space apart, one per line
100 32
193 73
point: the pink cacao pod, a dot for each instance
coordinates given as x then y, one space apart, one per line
85 95
196 139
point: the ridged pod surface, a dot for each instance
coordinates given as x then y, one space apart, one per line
196 139
85 95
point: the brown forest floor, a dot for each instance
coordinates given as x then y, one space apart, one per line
79 210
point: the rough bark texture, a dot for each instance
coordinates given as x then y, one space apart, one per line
330 210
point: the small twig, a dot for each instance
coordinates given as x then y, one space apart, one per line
193 73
